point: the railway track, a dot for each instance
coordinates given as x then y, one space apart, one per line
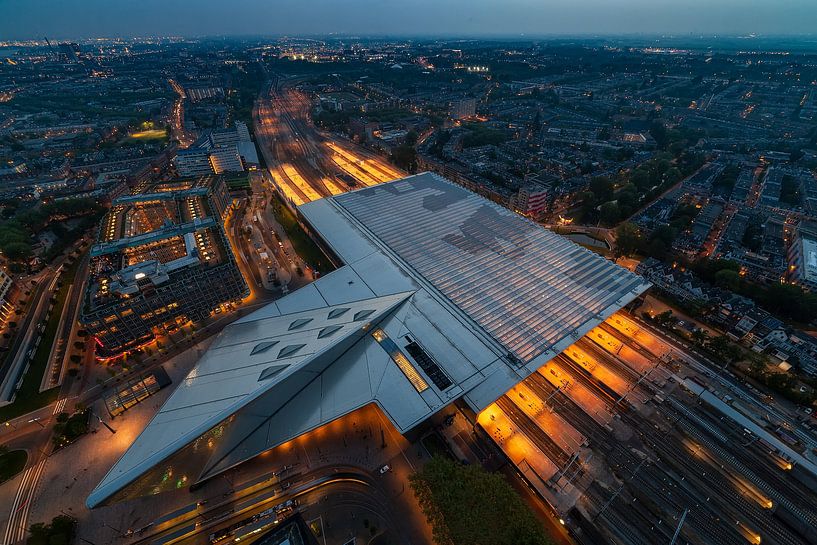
533 432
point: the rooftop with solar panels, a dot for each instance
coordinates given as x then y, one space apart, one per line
443 295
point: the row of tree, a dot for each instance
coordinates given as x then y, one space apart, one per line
17 231
788 301
609 200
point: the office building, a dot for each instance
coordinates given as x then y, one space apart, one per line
443 296
218 151
193 161
161 260
226 159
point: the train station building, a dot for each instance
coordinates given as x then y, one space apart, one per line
441 296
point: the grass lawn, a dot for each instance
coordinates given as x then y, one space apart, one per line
29 397
150 134
12 463
304 245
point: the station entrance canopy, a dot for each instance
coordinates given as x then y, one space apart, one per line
443 295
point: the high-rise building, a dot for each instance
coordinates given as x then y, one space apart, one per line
69 51
531 200
463 109
161 260
218 151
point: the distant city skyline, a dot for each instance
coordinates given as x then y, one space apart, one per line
27 19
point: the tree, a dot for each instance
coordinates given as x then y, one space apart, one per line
405 157
727 279
465 503
659 133
609 213
699 336
17 251
628 239
61 531
602 188
665 318
724 349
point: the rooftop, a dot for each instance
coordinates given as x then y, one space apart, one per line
444 295
147 236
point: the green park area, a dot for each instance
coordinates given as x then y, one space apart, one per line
467 505
61 531
304 246
12 462
147 135
69 428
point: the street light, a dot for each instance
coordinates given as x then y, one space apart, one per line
37 421
110 429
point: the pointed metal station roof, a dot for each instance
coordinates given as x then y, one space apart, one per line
249 359
444 295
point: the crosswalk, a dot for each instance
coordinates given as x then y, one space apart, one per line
17 525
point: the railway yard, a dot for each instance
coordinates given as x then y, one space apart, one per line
304 163
630 438
635 444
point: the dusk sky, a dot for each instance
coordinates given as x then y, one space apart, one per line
20 19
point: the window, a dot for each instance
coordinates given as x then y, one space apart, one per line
337 313
270 372
362 314
401 360
260 348
299 323
328 331
290 350
427 364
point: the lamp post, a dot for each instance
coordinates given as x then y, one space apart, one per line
110 429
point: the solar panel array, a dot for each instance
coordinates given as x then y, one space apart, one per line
528 287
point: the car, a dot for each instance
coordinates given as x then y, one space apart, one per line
385 469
